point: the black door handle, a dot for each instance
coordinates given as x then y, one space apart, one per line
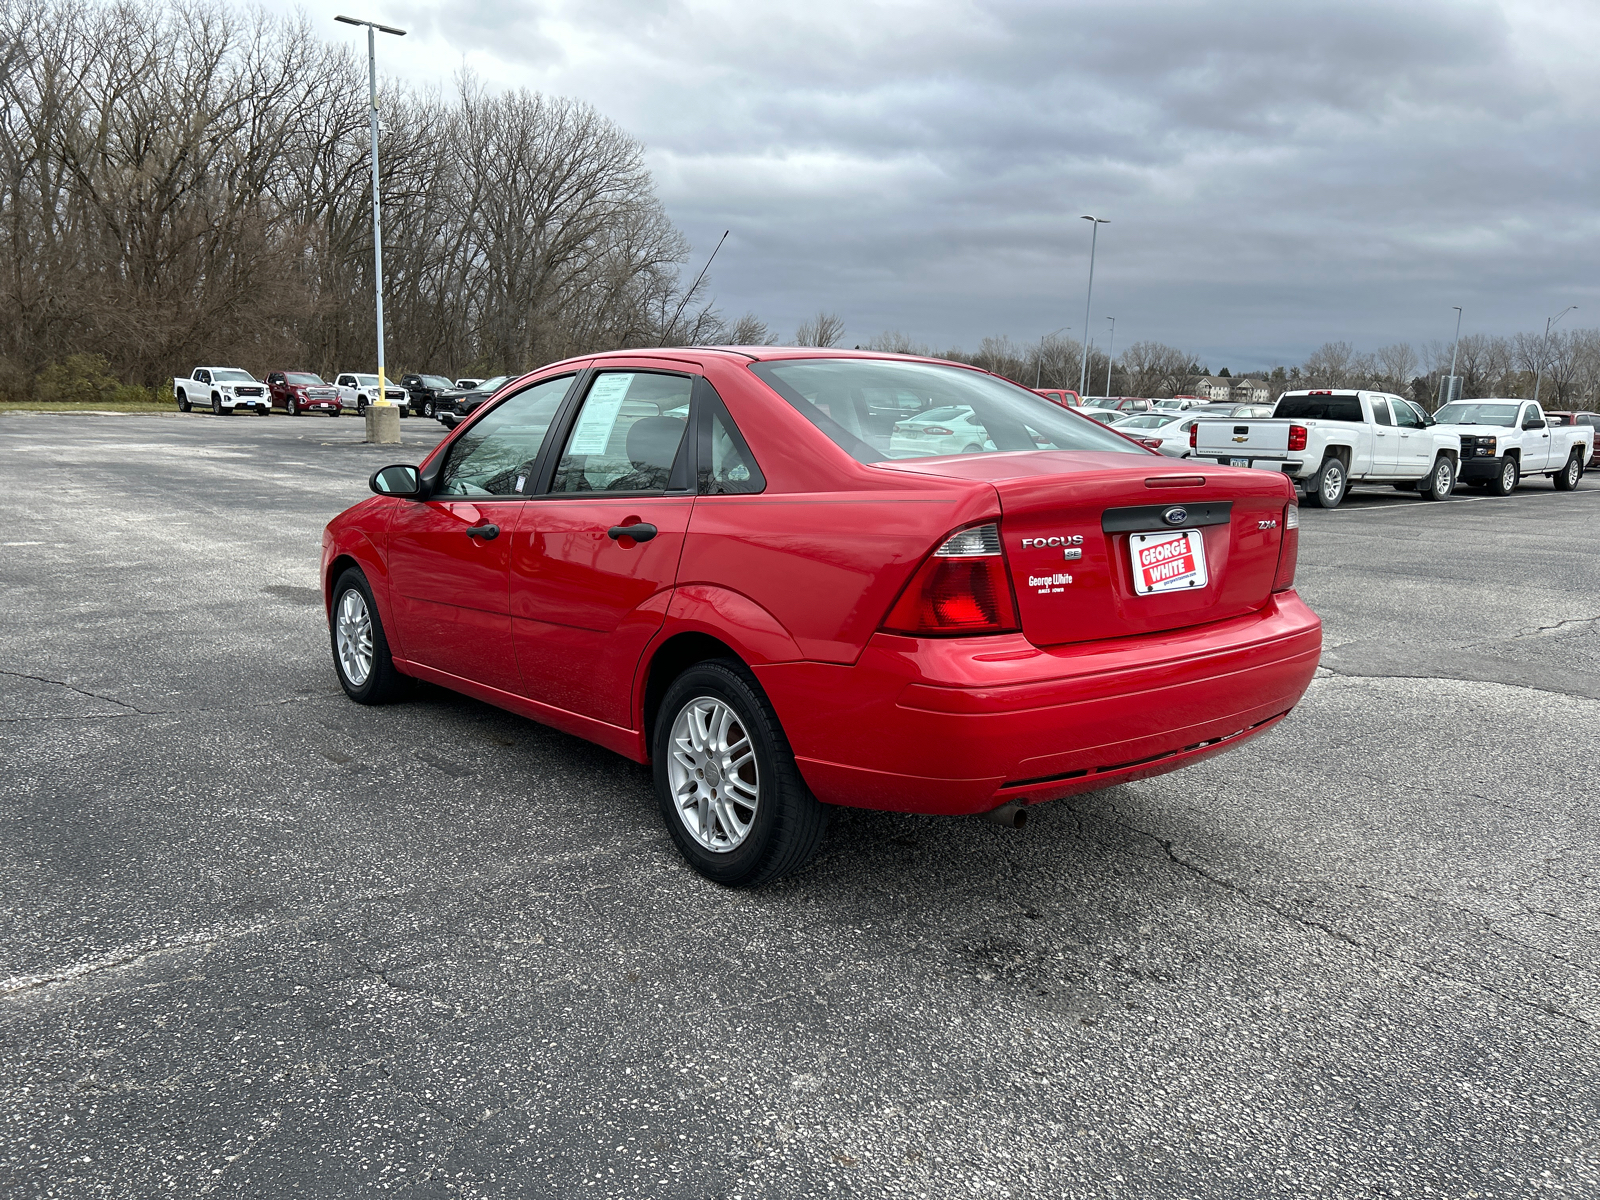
642 532
487 532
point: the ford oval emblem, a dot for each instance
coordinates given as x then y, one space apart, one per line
1175 516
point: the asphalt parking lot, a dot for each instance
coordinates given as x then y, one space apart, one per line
259 941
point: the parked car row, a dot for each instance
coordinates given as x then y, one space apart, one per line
226 390
1327 440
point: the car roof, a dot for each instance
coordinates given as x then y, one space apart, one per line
771 353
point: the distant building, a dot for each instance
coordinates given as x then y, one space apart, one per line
1249 390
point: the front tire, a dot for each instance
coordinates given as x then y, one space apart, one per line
293 407
1506 482
1567 478
361 656
726 780
427 409
1441 482
216 405
361 406
1328 486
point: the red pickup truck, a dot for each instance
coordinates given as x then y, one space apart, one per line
302 391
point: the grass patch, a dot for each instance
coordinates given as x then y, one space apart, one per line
58 406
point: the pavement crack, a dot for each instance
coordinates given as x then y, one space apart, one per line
115 961
61 683
1341 935
1538 630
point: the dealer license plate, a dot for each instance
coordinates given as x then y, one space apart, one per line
1168 562
1238 462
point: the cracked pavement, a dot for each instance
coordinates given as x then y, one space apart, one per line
258 941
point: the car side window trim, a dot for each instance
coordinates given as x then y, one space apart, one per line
680 480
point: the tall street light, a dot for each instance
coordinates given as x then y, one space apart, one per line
1111 342
1038 367
1450 386
1545 348
1094 224
377 213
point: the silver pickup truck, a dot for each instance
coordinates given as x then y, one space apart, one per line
1327 440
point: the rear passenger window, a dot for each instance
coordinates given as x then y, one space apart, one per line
1380 412
626 435
726 465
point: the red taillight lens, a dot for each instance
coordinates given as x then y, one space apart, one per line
1150 443
937 430
963 588
1194 435
1297 437
1288 549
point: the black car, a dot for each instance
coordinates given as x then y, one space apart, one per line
430 394
466 403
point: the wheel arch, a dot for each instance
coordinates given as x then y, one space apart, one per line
670 659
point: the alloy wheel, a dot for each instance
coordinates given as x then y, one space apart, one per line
1332 486
353 625
716 785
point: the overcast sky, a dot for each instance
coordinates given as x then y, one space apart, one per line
1277 174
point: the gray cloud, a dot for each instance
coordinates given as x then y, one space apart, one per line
1277 174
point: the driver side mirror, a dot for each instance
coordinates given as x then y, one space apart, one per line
397 480
1533 423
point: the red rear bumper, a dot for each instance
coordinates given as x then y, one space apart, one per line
962 725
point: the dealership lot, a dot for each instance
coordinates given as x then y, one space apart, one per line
258 940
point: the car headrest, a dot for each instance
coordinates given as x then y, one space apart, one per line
653 442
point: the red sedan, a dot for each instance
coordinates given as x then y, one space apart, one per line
711 561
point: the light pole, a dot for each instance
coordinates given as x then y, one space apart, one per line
1111 342
1038 367
377 214
1544 348
1094 224
1450 386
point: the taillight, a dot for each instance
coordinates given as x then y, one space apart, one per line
1194 435
1297 437
962 588
1150 443
1288 549
937 430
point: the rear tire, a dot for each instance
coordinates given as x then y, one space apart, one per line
183 402
1440 482
1327 488
715 725
361 656
1567 478
1506 482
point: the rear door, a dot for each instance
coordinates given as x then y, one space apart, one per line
586 596
1385 441
450 556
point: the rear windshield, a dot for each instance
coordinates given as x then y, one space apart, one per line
985 414
1320 408
1153 421
1477 414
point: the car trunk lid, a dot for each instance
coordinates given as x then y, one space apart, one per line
1082 530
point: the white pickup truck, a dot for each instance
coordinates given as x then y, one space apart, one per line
1328 440
224 389
1505 441
358 391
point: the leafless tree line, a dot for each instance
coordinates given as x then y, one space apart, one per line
181 183
1566 366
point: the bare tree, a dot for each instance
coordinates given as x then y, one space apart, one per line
824 329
